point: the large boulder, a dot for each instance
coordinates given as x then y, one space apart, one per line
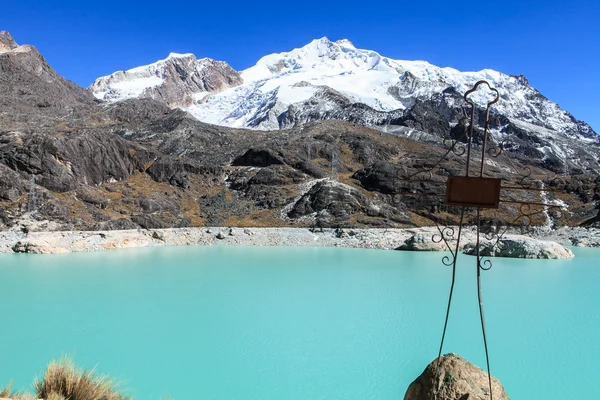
518 246
37 246
451 377
258 158
422 242
338 199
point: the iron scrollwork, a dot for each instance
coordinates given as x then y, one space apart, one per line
458 193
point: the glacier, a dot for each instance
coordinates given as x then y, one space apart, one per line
266 94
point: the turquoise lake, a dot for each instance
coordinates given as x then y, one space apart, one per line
243 323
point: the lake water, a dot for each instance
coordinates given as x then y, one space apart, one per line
297 323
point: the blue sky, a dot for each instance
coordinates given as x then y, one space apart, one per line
556 44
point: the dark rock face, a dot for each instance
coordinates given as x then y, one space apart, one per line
381 177
424 118
451 377
177 173
149 221
52 208
339 200
276 176
60 163
328 104
136 110
12 185
388 178
257 158
85 194
156 202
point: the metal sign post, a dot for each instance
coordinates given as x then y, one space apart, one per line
474 191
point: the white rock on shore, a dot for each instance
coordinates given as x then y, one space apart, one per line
518 246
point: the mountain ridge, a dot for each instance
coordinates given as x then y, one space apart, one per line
335 80
366 77
83 163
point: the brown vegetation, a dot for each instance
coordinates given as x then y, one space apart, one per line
63 381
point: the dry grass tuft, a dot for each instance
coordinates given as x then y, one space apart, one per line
63 381
7 393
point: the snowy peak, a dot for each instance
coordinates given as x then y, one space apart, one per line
345 43
522 79
172 58
319 55
324 80
179 80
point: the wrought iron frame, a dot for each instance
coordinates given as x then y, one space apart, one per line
450 234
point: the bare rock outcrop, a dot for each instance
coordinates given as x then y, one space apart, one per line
518 246
336 198
451 377
180 80
26 79
34 246
422 242
7 43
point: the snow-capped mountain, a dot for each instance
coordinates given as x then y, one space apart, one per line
138 164
335 80
180 80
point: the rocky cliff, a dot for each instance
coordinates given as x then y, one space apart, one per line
28 81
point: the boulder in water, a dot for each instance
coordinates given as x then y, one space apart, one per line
518 246
451 377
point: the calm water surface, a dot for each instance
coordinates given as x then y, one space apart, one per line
297 323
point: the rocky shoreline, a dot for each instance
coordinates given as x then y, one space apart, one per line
542 244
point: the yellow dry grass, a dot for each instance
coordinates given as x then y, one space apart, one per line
62 380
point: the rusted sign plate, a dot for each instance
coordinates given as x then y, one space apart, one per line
473 192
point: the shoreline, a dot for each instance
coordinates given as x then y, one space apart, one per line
58 242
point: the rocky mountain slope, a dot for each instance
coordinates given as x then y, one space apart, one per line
28 81
334 80
83 163
180 80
